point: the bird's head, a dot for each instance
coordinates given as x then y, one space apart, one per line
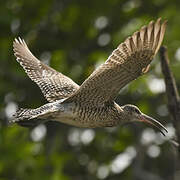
133 114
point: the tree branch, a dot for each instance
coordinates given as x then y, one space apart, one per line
172 92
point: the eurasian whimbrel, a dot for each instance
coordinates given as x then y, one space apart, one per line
92 104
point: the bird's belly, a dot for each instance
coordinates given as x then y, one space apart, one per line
72 122
84 122
83 116
73 119
66 114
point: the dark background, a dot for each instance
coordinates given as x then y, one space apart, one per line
74 37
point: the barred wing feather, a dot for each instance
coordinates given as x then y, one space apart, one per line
53 84
126 63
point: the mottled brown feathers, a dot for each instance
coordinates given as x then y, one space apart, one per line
92 104
53 84
126 63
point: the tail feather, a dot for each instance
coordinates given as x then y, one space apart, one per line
29 114
25 118
22 114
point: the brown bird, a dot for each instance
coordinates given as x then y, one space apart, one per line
93 103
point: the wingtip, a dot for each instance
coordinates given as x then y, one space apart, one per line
19 40
159 19
161 22
16 40
151 23
162 29
164 24
18 45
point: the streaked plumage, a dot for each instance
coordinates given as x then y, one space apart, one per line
92 104
53 84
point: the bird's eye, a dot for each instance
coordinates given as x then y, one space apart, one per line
137 111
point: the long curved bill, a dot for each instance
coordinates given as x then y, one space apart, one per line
153 122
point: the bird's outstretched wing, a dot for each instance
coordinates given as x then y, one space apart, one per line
53 84
126 63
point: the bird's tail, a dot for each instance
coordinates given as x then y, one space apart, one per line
27 117
29 114
31 117
23 114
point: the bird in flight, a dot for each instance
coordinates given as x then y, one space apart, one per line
93 103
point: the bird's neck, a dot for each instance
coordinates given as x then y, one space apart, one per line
117 114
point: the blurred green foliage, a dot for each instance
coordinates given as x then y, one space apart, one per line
74 37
